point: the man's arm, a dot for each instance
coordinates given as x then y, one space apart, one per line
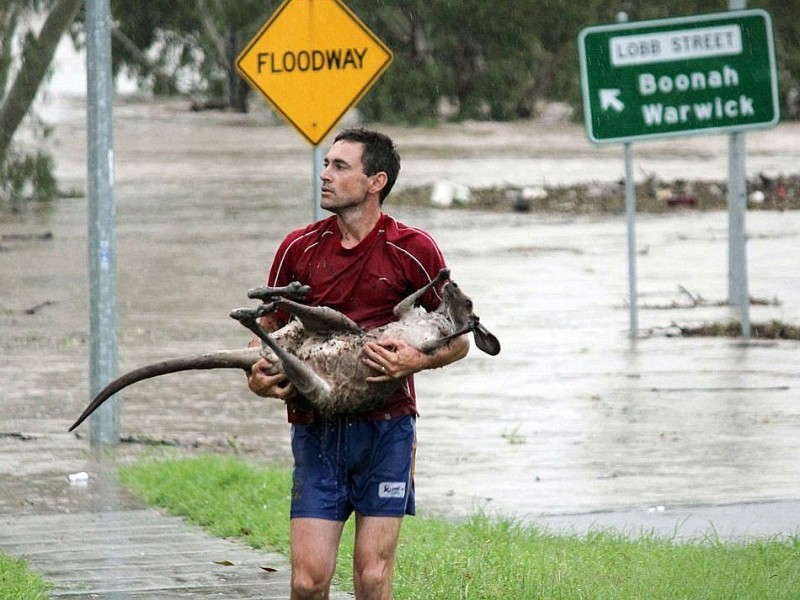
396 359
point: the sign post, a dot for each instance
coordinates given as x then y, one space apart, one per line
738 288
671 77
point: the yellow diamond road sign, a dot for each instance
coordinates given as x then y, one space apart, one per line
313 60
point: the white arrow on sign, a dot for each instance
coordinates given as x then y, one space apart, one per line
610 99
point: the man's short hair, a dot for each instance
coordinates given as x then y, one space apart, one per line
379 154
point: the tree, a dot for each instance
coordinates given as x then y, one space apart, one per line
478 59
453 58
475 57
164 43
787 33
36 55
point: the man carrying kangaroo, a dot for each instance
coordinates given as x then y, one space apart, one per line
361 262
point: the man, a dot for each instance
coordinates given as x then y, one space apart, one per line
361 262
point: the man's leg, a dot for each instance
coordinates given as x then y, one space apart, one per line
315 543
373 556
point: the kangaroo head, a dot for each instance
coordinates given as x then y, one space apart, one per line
458 308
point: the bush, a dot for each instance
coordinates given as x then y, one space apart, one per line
26 177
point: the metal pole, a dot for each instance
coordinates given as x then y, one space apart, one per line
738 292
630 211
104 424
316 159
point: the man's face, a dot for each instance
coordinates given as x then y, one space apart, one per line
344 183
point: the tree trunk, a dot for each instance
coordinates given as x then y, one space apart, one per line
36 59
238 89
9 17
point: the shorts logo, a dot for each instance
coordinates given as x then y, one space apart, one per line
392 489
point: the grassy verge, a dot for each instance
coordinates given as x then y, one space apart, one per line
479 558
17 582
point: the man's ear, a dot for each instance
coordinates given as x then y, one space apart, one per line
379 181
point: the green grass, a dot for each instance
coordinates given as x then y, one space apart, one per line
17 582
480 558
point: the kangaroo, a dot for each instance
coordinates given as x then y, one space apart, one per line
320 349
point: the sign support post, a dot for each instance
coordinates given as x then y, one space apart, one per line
630 211
738 293
738 289
316 168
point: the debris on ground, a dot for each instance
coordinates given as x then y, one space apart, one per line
653 195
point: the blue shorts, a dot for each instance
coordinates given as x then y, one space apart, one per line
345 465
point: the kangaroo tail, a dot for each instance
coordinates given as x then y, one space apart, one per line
225 359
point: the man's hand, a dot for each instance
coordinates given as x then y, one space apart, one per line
394 359
263 381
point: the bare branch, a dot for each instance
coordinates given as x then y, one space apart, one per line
217 40
138 56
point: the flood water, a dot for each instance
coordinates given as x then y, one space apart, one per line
571 416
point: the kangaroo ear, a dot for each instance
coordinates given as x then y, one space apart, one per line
486 341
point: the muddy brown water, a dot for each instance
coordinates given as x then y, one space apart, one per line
572 416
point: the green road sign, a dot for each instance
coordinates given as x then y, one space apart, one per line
701 74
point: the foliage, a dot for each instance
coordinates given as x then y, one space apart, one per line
787 33
477 57
498 60
481 557
459 59
186 46
27 176
17 582
25 56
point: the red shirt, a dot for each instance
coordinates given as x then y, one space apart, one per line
365 282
